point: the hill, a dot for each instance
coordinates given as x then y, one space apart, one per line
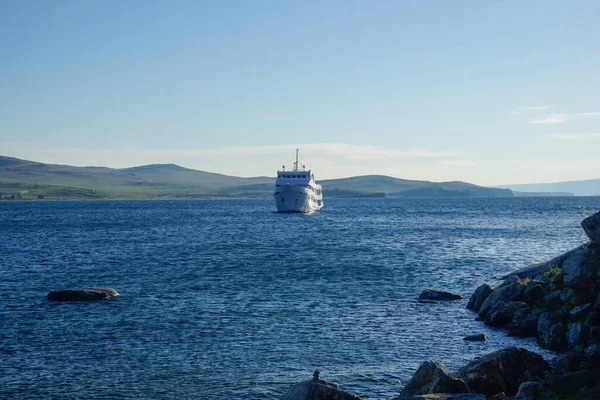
170 180
589 187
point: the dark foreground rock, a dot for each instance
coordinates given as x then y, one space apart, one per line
82 294
478 297
591 227
438 295
432 377
317 389
503 371
444 396
535 391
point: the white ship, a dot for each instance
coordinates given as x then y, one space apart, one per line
296 190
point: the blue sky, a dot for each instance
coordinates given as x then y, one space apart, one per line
490 92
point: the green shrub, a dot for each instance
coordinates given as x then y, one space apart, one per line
553 272
524 281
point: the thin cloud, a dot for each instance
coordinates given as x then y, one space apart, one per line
576 136
559 118
459 163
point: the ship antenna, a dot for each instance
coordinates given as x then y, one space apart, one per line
296 163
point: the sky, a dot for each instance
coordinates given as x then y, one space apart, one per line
488 92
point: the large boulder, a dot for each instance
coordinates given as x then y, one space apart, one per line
581 267
432 377
534 293
478 297
580 312
524 322
535 391
317 389
82 294
552 331
503 371
502 313
576 335
539 269
591 226
443 396
507 293
572 382
438 295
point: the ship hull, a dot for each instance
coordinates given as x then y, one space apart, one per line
297 199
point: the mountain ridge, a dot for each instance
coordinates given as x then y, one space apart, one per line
172 180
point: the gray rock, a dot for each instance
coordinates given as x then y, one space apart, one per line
573 382
593 351
535 391
576 335
82 294
534 294
503 371
580 312
444 396
525 322
591 226
438 295
552 299
593 319
580 268
501 313
508 293
538 270
478 297
432 377
476 337
552 331
317 389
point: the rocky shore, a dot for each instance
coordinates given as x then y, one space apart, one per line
557 302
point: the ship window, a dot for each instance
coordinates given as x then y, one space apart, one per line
289 176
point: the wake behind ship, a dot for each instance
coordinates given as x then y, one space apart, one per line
296 190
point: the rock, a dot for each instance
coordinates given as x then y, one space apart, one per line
593 319
498 396
592 393
591 227
580 312
432 377
552 299
508 293
317 389
535 391
576 335
503 371
502 313
538 270
83 294
594 334
581 267
593 351
534 294
478 297
552 331
597 304
444 396
438 295
476 337
524 322
573 382
567 362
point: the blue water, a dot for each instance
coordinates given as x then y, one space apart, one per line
230 300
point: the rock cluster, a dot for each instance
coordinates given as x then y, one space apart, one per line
317 389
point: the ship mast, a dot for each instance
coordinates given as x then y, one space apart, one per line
296 163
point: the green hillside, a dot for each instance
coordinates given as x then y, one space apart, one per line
170 180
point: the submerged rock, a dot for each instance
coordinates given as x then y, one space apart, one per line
317 389
503 371
82 294
438 295
477 337
432 377
478 297
591 227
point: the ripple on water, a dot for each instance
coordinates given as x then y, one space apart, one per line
229 300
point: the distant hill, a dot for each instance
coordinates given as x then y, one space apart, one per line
589 187
542 194
170 180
